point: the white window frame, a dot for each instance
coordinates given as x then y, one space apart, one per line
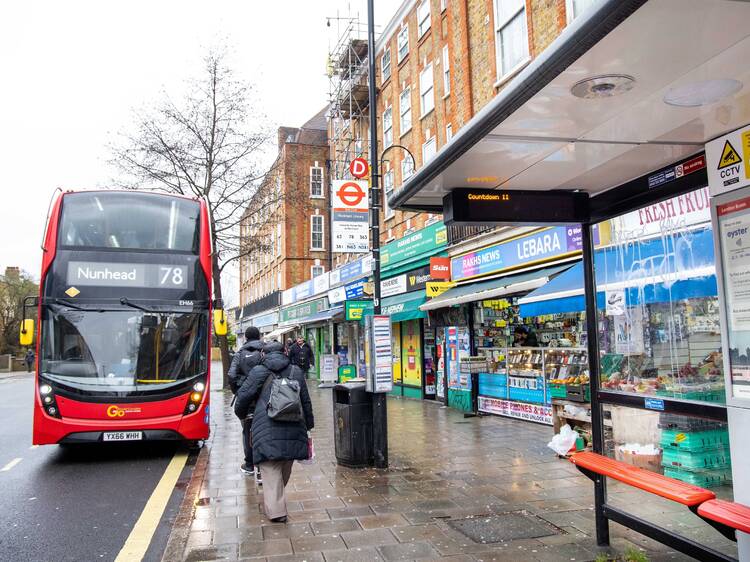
448 132
443 5
386 57
446 72
313 219
405 112
429 150
403 33
387 190
426 94
320 268
407 165
388 127
570 14
423 19
499 26
279 237
321 194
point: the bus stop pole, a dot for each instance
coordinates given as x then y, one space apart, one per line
379 412
597 420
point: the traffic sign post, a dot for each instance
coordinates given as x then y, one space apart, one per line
349 210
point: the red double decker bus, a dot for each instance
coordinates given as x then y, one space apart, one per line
123 338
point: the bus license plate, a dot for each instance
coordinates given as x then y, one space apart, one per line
123 435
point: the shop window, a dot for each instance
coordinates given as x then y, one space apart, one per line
511 38
385 64
403 42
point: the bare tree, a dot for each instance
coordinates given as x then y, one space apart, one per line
209 145
15 286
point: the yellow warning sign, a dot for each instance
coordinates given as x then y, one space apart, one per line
746 152
729 156
72 292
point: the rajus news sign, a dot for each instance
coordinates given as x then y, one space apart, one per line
537 247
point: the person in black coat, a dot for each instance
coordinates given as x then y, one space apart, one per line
243 362
276 444
301 354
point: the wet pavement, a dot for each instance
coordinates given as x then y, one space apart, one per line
450 479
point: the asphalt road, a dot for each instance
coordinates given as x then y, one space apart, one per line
74 504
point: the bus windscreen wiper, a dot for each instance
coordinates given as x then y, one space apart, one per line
75 306
125 302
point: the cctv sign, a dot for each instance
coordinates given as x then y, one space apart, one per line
727 162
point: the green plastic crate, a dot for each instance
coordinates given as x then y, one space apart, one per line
689 460
557 390
695 441
702 478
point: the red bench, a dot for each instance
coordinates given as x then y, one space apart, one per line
724 516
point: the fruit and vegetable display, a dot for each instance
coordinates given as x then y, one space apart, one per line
580 379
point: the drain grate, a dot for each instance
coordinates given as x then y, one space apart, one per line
503 527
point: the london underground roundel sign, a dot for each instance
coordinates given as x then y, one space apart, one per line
359 168
351 194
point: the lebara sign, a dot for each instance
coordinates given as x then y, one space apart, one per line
533 248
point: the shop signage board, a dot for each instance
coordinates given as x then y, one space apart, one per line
351 230
337 295
537 247
423 242
298 311
356 310
352 271
378 353
266 319
727 160
440 268
529 412
437 288
320 284
393 286
413 280
417 279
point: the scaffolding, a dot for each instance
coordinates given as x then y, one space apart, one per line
348 94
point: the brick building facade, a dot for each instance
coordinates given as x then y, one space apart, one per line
285 226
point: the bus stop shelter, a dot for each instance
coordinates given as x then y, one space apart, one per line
612 118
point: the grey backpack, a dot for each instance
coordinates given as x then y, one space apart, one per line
284 403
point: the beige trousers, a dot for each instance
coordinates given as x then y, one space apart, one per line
275 476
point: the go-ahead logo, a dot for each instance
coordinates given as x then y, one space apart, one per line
117 412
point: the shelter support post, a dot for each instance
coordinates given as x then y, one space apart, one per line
597 421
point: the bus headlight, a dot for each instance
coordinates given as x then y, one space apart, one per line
196 396
199 387
48 400
192 407
52 411
45 389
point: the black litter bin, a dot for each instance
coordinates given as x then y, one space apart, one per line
352 425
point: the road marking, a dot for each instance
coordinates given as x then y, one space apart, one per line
140 537
11 464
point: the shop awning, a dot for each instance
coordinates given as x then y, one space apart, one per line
606 102
322 316
564 294
495 288
404 307
278 332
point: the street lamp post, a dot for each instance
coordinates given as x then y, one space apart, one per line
379 412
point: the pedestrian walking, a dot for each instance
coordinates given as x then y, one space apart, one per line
29 360
301 354
276 444
248 356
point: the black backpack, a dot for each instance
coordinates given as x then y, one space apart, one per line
284 403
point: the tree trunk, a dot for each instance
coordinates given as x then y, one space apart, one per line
223 343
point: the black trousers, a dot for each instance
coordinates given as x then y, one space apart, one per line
247 441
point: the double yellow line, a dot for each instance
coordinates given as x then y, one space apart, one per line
140 537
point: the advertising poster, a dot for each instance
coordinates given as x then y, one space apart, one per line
464 351
411 353
396 348
451 356
629 332
440 369
329 371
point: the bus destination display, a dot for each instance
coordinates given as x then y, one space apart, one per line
148 275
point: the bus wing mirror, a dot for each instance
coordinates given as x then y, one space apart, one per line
26 337
220 322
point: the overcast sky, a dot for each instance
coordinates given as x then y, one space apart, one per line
73 71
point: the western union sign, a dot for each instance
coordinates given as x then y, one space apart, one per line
437 288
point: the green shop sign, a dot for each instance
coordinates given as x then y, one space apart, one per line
299 311
420 244
357 310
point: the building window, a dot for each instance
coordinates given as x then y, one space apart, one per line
317 270
575 8
388 127
443 5
511 39
407 168
388 190
385 64
426 91
423 17
278 281
448 132
403 42
316 232
279 234
358 147
404 105
429 149
316 181
446 72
